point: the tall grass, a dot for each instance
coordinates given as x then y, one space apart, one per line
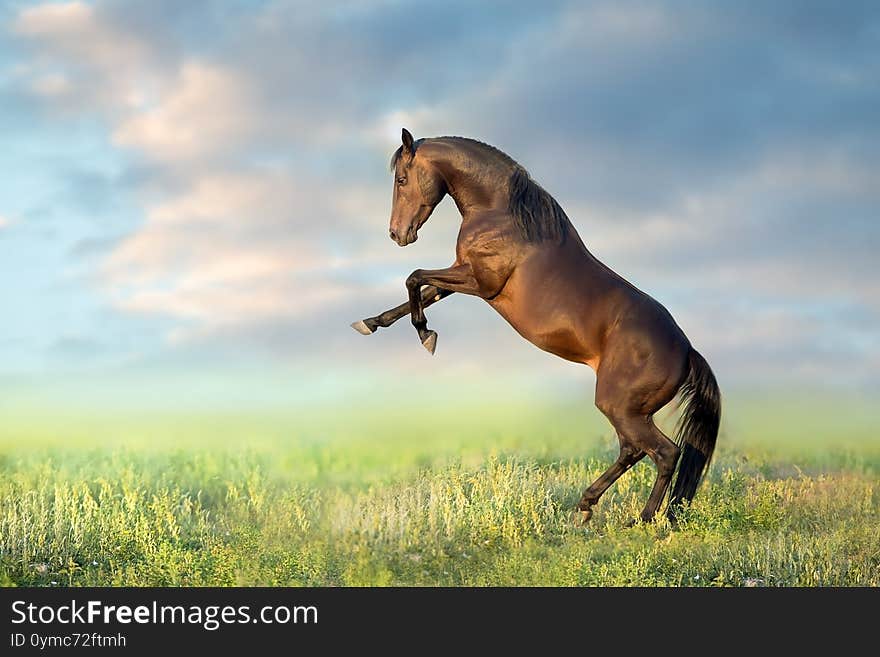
490 505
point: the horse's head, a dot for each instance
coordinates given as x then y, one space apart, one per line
418 188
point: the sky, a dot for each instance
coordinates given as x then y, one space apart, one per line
194 197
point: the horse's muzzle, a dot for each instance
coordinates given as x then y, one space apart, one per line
407 238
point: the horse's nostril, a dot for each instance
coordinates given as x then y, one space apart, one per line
393 235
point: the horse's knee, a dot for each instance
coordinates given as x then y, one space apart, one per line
413 281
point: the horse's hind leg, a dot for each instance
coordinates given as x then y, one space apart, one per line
628 457
629 394
638 436
639 431
662 451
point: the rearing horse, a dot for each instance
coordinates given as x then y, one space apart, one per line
518 250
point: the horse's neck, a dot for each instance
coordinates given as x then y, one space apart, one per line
475 180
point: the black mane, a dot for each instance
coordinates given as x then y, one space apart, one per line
535 212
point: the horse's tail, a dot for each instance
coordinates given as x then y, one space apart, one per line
697 428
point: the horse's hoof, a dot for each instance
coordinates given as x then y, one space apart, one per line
430 343
361 327
582 517
629 524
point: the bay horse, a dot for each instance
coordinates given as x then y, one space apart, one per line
518 250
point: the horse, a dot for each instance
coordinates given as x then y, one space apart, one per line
518 250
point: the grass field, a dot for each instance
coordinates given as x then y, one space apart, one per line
475 497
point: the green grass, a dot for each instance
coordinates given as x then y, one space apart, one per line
462 498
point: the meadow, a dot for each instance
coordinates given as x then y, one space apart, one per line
469 496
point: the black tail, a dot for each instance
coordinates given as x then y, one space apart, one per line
697 429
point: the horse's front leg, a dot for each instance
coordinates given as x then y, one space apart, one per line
458 278
368 326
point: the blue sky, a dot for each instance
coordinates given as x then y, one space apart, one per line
199 191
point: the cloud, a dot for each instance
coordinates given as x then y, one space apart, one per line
233 248
73 28
83 59
52 85
205 111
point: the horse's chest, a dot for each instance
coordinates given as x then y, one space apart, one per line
544 316
491 270
559 338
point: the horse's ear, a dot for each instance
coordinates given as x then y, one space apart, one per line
407 139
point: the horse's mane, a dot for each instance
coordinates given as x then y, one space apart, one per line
535 212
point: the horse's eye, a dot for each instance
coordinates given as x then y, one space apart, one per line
401 181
